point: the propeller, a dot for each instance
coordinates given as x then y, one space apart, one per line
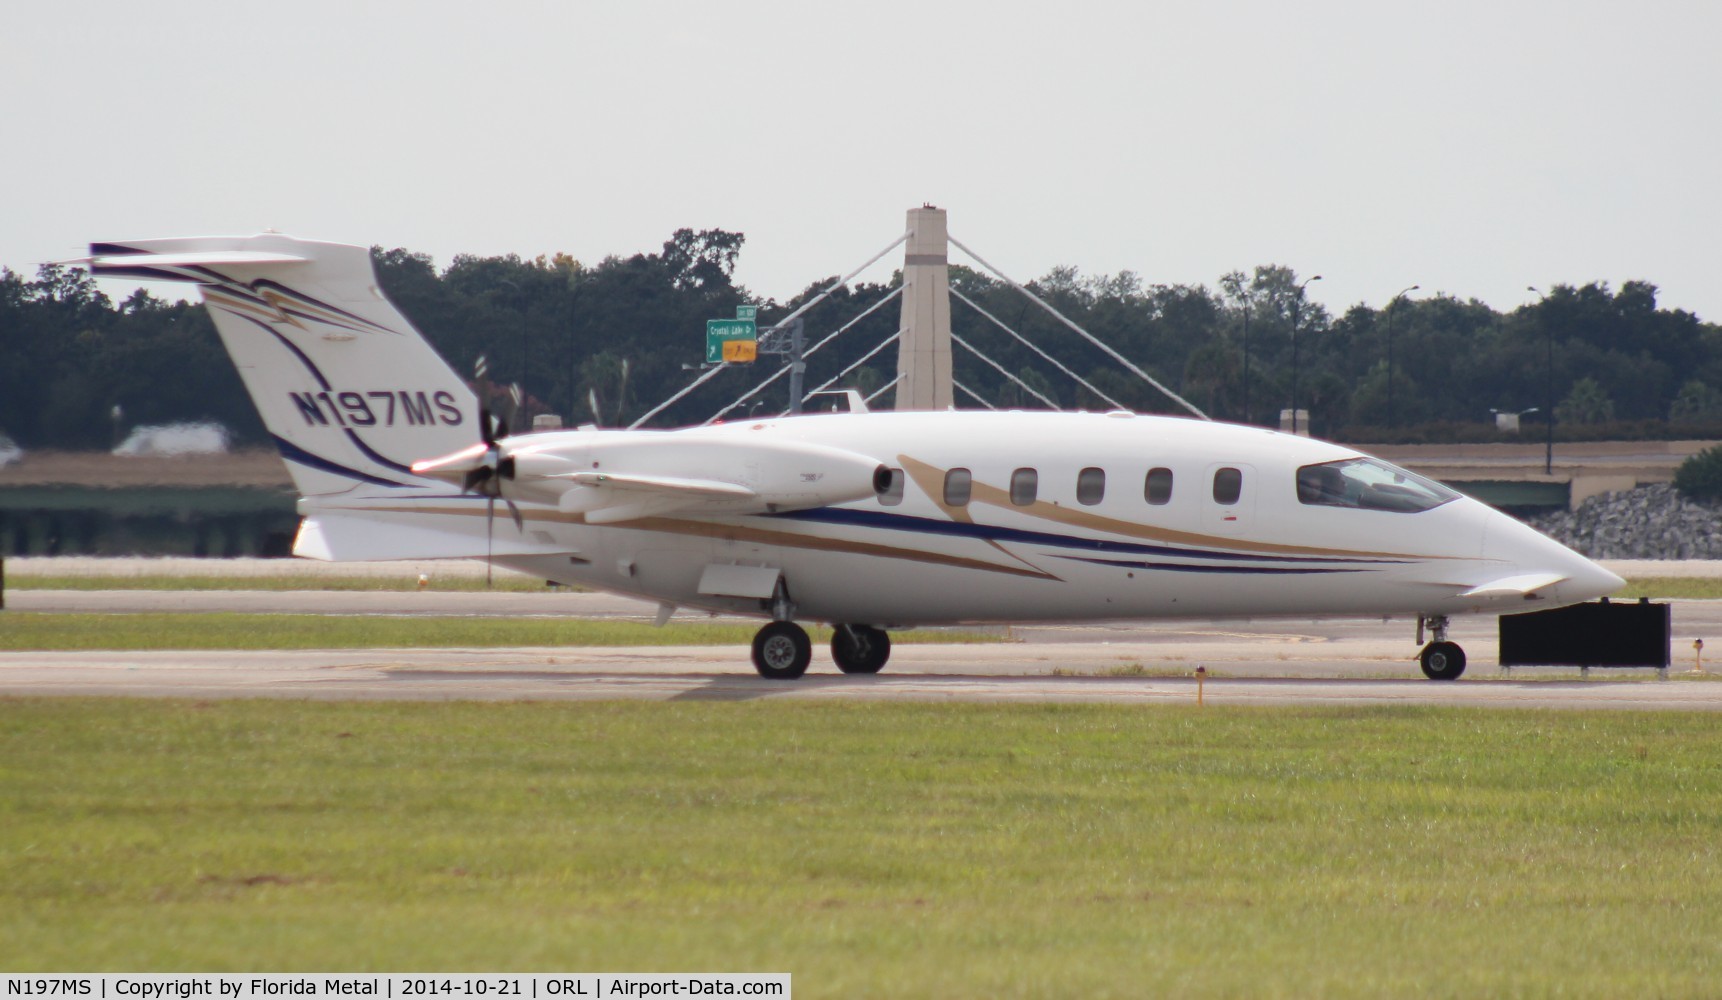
482 468
486 480
487 477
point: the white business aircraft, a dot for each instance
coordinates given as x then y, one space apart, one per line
864 520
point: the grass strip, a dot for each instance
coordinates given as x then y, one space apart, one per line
1664 587
174 630
504 582
873 849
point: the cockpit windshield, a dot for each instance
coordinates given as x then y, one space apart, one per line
1369 484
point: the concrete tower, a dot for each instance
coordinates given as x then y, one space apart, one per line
924 353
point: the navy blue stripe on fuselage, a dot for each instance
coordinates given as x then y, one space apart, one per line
995 533
1189 568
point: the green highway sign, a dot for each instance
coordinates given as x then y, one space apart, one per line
746 312
722 331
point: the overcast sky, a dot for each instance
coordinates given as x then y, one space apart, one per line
1472 148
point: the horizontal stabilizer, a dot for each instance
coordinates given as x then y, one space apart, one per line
358 536
198 258
1512 586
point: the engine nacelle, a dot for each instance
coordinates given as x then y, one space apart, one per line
638 475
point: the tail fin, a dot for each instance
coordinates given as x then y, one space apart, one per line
350 392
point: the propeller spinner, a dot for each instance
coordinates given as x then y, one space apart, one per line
481 468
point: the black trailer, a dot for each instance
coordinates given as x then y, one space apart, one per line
1603 634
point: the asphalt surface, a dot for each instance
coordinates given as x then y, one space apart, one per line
1273 662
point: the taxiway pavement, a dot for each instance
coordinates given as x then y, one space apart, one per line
1345 661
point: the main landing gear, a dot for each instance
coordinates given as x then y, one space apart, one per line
1441 660
860 649
782 650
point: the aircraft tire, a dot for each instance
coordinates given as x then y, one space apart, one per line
860 649
1442 661
782 651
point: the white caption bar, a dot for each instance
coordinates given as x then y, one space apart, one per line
426 986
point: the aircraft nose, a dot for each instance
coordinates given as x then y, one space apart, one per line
1534 551
1588 580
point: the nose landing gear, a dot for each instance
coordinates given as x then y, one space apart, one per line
1441 660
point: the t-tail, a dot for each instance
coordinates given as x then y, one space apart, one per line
350 392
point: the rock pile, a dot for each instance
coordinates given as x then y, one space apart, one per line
1651 522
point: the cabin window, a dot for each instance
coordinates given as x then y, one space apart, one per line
1369 484
1158 489
1228 486
1090 486
958 483
892 494
1024 484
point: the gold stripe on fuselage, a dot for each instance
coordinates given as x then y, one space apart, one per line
744 533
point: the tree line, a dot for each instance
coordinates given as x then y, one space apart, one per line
605 342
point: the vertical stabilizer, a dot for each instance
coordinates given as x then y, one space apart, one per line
350 392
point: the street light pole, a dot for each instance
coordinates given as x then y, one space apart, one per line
1549 386
1297 300
1391 423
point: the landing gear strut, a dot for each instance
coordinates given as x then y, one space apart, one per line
1441 660
860 649
782 651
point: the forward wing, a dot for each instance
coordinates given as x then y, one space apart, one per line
1520 586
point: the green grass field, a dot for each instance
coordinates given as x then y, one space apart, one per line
873 849
504 582
1663 587
25 630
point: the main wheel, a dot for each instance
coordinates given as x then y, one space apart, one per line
1442 661
860 649
782 651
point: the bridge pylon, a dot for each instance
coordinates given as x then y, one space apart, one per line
924 353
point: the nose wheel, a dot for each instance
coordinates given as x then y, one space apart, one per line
782 651
1441 660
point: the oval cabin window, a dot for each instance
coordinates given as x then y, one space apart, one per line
1090 486
1158 488
1228 486
958 484
1024 485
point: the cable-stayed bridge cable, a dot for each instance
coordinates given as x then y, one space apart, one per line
810 303
1002 371
1091 338
828 338
972 304
973 394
